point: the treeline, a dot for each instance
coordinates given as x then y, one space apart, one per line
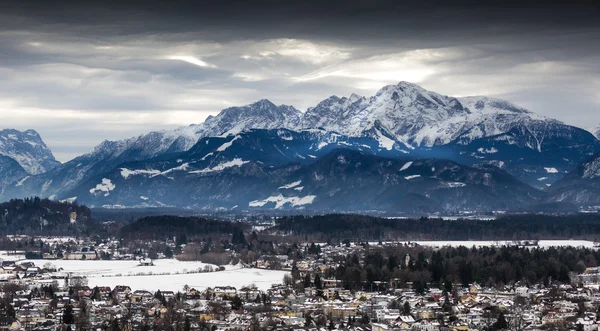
132 214
422 267
510 227
166 227
42 216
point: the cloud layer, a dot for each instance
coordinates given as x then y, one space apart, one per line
81 72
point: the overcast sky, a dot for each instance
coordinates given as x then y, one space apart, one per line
80 72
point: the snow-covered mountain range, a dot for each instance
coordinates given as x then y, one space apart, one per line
416 116
402 121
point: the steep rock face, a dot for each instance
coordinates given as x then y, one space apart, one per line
28 149
11 171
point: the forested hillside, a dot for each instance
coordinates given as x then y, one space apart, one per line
42 216
163 227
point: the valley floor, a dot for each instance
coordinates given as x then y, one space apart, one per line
236 277
165 274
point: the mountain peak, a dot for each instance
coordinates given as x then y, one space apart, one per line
401 86
354 97
263 103
28 149
31 132
405 84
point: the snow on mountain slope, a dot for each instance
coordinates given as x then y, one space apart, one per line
109 154
103 158
28 149
10 170
591 169
262 114
417 116
341 180
401 119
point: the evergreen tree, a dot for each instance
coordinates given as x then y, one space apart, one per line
365 319
501 323
114 326
187 324
168 252
307 320
238 238
406 308
307 280
318 284
236 303
68 317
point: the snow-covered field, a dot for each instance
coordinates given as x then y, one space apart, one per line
238 278
122 268
166 274
11 256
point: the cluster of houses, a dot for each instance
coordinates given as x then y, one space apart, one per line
39 300
42 298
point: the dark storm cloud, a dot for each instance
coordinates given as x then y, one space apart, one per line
299 18
84 71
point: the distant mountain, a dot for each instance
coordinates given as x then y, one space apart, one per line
402 121
265 148
28 149
109 154
103 158
538 152
340 180
262 114
595 131
11 170
581 186
469 130
416 116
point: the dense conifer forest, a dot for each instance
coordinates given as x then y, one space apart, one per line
489 266
163 227
510 227
47 217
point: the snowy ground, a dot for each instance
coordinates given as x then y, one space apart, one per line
11 256
122 268
237 278
166 274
